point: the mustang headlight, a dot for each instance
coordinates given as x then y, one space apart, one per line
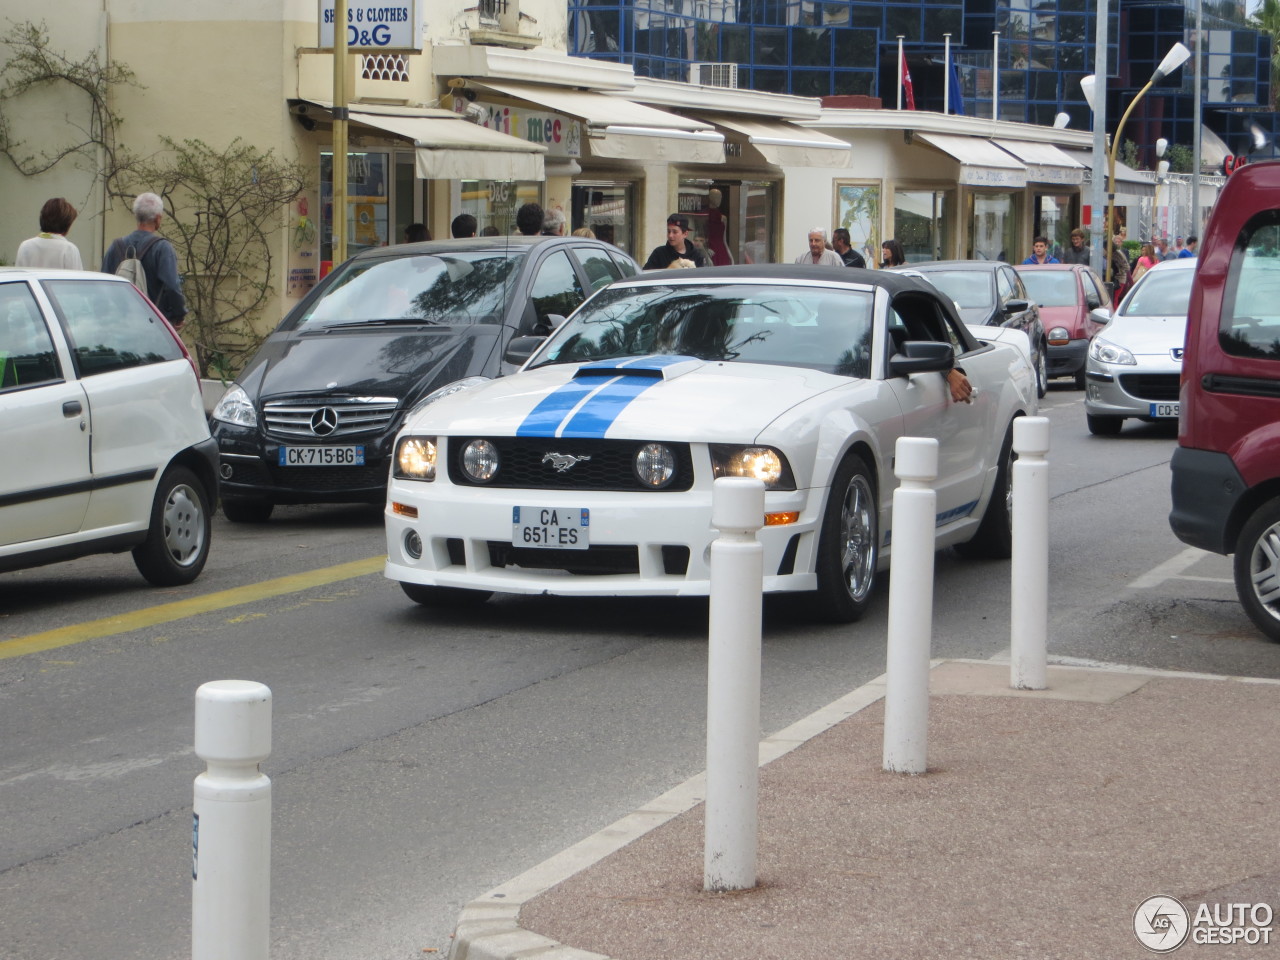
1059 335
416 458
235 407
759 463
1104 351
654 465
479 460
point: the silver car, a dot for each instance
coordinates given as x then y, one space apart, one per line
1135 363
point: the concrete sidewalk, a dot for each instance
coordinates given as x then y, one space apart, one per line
1046 819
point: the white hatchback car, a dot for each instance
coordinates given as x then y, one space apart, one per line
1134 366
105 442
590 472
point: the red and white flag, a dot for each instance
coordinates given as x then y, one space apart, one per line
907 90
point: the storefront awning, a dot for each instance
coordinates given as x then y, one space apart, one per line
449 148
1131 186
622 129
982 163
785 144
1045 162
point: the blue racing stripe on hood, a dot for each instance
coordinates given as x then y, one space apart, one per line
597 415
546 417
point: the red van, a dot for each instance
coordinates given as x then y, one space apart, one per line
1226 470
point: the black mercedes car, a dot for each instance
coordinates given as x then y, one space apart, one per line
990 293
312 417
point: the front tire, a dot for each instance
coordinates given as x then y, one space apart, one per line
1103 426
848 544
444 596
994 539
177 543
1257 568
1042 373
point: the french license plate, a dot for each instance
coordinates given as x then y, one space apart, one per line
1164 410
321 456
551 527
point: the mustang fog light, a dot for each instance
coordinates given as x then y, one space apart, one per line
479 460
654 465
758 463
413 545
416 458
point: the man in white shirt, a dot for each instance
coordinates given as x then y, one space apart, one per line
818 254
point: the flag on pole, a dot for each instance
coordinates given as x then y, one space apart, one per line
954 94
906 85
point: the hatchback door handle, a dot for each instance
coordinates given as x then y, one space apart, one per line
72 408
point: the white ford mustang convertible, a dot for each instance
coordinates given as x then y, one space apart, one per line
589 472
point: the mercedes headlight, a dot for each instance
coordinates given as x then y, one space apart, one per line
758 463
1104 351
446 391
415 458
235 407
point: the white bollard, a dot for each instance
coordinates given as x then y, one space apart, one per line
1029 609
906 701
733 685
231 826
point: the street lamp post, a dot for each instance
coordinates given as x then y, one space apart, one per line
1175 58
1162 170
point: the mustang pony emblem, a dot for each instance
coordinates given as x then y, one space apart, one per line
562 461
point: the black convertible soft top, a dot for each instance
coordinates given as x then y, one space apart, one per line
893 282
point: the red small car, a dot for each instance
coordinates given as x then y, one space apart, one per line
1074 306
1226 470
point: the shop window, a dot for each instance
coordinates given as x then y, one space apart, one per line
993 226
858 211
920 223
607 209
367 215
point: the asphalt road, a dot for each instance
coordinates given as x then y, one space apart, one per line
421 758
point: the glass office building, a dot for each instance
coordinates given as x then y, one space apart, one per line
1035 51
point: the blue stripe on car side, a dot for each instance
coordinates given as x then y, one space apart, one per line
544 419
597 414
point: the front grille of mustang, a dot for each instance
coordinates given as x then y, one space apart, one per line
1159 387
529 463
346 417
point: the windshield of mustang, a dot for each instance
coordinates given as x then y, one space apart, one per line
455 288
822 328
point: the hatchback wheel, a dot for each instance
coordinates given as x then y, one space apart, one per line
1257 568
177 543
848 544
1042 372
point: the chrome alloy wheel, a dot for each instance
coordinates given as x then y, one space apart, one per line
1264 570
858 536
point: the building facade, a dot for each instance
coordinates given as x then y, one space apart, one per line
1022 58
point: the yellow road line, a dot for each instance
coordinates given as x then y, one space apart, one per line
166 612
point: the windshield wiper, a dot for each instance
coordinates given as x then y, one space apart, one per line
387 322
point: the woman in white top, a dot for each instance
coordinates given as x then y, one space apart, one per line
51 248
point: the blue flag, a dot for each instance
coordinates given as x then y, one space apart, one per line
955 96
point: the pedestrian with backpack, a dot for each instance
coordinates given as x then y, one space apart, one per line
148 260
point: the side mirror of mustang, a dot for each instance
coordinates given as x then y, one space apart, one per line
920 356
521 349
